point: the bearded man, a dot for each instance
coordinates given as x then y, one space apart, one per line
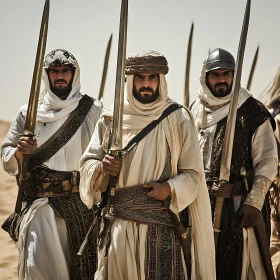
165 164
254 148
53 220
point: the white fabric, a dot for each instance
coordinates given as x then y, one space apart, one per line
137 115
208 109
38 225
126 259
41 217
51 107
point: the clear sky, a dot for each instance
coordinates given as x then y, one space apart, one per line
83 27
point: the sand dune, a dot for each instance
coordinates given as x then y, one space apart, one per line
8 249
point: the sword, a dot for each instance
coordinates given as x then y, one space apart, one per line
230 128
30 120
253 69
105 68
187 76
115 143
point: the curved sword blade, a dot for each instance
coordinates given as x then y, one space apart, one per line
188 63
253 68
105 68
30 121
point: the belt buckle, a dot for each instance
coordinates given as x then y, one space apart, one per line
73 181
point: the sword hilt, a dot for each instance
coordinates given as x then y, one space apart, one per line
110 215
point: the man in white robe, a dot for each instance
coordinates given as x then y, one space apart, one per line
166 163
53 220
254 148
271 99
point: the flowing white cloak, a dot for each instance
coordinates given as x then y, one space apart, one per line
143 164
44 251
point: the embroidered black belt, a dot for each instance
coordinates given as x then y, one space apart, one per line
133 204
45 182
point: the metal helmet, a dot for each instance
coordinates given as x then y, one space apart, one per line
218 59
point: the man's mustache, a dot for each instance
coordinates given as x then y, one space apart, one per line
60 80
221 84
147 89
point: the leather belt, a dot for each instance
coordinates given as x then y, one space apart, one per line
53 187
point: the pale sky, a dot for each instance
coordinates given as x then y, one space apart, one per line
83 27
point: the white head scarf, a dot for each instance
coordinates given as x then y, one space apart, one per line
208 109
137 115
50 106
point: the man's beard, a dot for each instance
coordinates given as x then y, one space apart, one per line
60 92
146 98
221 92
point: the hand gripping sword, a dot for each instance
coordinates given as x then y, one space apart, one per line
230 128
187 75
30 120
115 141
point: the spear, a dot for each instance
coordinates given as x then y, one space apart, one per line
105 68
187 76
253 68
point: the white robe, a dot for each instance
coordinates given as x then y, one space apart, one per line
143 164
44 251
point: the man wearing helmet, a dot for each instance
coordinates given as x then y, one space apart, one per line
142 242
53 220
254 148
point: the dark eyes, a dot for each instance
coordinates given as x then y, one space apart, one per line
63 71
151 77
215 75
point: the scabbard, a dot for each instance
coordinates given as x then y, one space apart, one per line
184 237
263 244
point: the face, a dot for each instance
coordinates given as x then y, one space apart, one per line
219 81
146 87
60 78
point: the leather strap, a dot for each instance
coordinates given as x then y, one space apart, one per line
63 134
146 130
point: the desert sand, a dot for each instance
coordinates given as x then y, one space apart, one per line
8 187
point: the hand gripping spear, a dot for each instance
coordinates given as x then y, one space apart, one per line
115 141
228 145
30 120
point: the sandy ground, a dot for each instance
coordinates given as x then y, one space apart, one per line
8 249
